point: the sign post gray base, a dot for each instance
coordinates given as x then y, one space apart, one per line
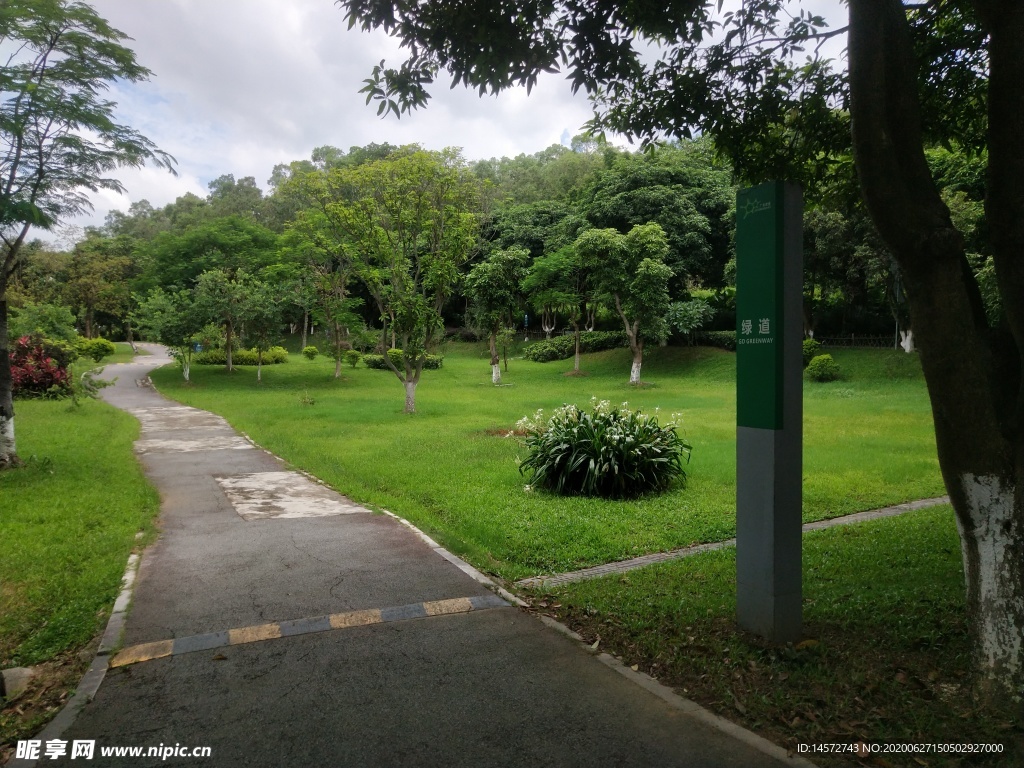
768 533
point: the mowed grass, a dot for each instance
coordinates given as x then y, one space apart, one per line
868 444
885 657
68 520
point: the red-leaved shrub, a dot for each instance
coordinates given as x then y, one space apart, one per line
35 372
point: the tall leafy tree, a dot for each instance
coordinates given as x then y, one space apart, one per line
630 274
173 319
494 288
225 298
560 280
411 224
58 136
918 73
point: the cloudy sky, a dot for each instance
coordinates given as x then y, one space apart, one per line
241 85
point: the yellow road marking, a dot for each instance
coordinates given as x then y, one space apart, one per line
355 618
442 607
144 652
254 634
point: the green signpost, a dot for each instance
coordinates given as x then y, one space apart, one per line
769 409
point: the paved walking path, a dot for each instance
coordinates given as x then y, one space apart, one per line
622 566
279 624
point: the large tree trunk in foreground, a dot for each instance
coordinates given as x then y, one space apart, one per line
8 453
973 373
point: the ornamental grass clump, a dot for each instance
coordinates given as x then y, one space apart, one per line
609 451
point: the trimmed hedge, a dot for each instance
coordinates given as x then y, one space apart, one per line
273 356
719 339
564 347
823 368
811 349
97 348
430 362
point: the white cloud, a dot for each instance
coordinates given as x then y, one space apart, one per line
241 85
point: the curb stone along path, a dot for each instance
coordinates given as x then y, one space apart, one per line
623 566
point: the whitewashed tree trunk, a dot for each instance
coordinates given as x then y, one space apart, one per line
186 365
410 396
634 373
492 341
337 367
547 322
8 452
992 545
907 341
228 345
259 369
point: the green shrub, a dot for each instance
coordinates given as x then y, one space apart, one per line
430 362
352 357
611 452
310 352
97 348
272 356
812 349
564 347
719 339
823 368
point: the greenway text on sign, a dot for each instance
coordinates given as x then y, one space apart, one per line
759 326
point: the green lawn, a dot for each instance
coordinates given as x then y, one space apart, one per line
868 443
68 520
886 657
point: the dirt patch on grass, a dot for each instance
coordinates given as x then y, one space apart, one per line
47 692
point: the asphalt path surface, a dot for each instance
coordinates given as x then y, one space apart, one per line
490 686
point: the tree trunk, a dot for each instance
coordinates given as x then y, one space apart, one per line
576 355
495 360
547 322
229 342
410 396
973 373
907 341
638 360
337 366
305 327
259 366
186 362
8 453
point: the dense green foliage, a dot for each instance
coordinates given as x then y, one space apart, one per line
608 452
271 356
823 368
563 347
98 348
430 362
811 349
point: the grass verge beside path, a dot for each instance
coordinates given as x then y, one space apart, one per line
868 444
68 520
886 659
